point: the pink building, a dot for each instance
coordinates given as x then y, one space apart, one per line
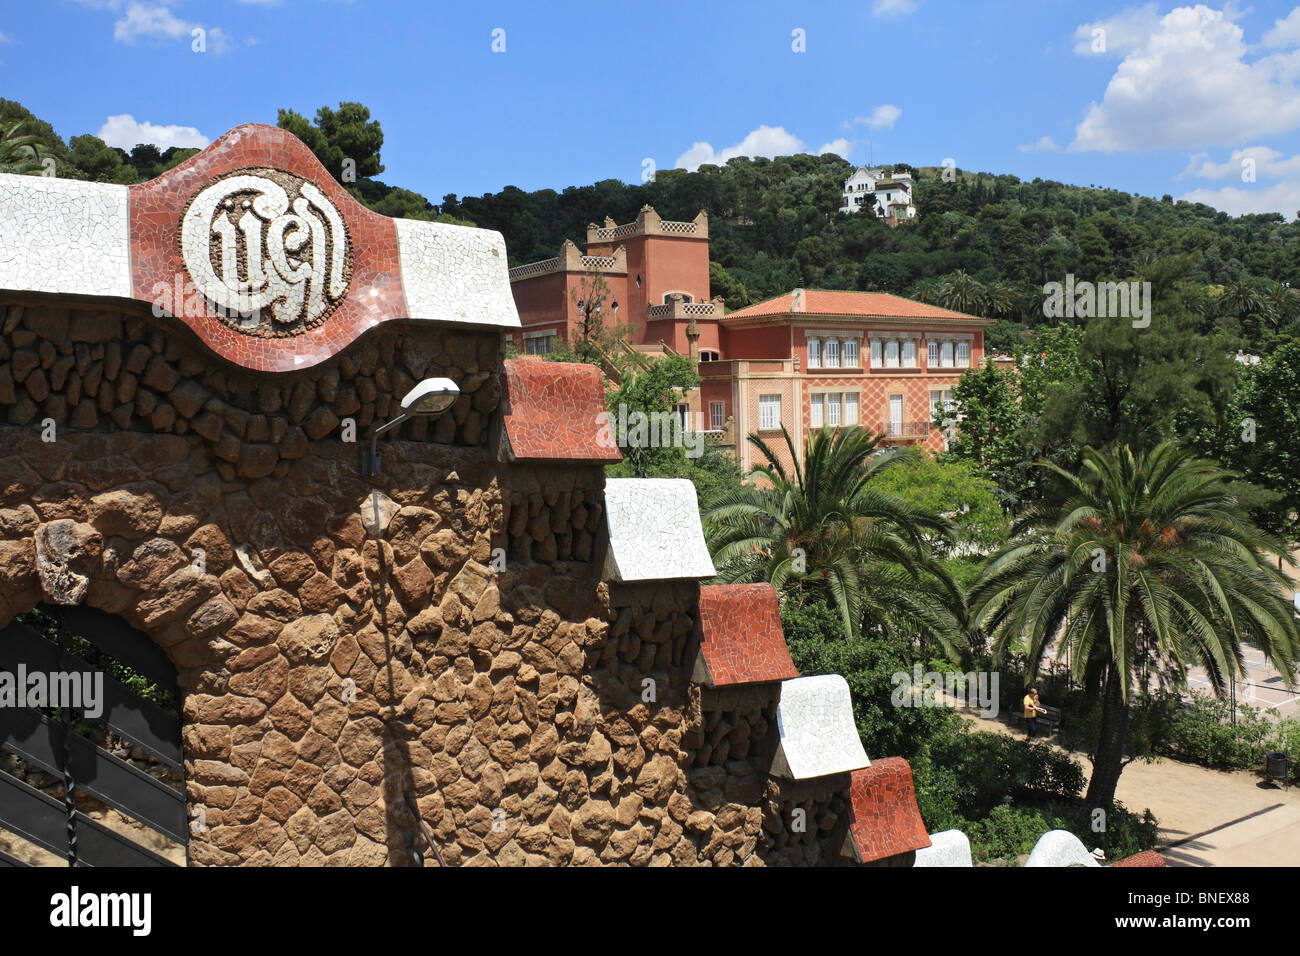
804 359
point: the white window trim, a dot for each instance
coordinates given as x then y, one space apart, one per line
857 353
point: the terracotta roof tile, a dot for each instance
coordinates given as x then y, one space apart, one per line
552 410
865 304
885 820
1145 858
741 640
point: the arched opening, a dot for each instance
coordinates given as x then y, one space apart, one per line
91 765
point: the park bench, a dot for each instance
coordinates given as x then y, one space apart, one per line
1049 722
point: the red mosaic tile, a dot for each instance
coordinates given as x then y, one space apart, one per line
1145 858
741 640
884 818
553 412
374 292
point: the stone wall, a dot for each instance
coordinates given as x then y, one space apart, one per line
449 638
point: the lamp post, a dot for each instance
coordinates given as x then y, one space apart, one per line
432 397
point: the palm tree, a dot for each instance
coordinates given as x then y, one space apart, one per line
1150 561
1000 299
1283 304
19 152
961 292
1243 300
817 528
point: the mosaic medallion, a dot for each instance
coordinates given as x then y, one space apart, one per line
268 250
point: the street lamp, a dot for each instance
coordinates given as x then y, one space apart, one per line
431 397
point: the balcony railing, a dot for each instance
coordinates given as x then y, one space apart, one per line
678 309
902 429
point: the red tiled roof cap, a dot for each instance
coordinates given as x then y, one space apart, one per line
552 412
884 818
741 639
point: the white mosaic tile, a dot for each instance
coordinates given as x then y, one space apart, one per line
947 848
66 236
654 530
814 717
455 273
1060 848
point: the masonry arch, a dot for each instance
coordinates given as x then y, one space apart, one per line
91 763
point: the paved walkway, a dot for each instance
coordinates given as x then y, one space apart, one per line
1207 817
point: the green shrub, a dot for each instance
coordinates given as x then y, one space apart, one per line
1007 832
1204 733
868 663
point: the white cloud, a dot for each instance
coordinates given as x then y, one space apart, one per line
893 8
840 147
1044 144
154 20
6 38
882 117
1285 32
1122 33
1187 85
1269 164
765 141
1236 200
124 132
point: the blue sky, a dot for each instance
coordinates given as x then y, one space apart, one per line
1150 98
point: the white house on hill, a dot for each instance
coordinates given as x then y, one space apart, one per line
886 196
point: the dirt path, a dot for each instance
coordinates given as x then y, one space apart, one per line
1207 817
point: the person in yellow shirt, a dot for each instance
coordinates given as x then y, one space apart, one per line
1032 710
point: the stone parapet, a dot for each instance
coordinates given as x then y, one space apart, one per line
254 247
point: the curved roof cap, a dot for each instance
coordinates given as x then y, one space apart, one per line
555 411
884 819
741 638
253 245
654 531
818 736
